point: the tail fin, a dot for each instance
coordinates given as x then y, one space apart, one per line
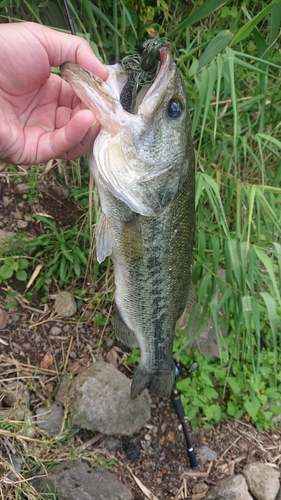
159 383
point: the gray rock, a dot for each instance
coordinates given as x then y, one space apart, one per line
206 340
22 188
61 191
102 402
50 419
112 443
14 393
55 330
63 389
279 494
22 224
65 305
78 481
6 201
205 454
5 234
262 480
230 488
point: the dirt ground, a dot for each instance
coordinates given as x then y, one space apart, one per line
157 456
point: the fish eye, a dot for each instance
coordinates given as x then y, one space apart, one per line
174 109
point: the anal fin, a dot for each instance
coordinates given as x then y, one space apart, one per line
123 333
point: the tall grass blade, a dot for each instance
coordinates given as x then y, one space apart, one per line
247 29
205 9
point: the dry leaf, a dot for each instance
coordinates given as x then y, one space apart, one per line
112 357
34 275
143 488
47 360
76 367
4 318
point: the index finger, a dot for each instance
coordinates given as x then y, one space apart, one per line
62 47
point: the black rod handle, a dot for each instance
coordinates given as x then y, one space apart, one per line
177 404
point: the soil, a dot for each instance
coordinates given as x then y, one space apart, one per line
157 456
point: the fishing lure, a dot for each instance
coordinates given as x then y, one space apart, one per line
141 69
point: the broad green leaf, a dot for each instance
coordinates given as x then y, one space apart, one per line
217 45
6 272
23 263
211 393
234 385
21 275
252 407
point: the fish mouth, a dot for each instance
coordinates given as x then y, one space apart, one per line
103 98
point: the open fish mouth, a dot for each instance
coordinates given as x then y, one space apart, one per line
102 97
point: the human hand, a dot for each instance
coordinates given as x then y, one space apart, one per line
40 115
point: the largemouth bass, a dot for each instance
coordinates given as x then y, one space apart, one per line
143 166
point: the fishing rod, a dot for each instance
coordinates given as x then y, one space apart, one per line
69 18
177 404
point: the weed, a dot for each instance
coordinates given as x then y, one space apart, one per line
14 267
63 253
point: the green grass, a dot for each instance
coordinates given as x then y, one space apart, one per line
228 55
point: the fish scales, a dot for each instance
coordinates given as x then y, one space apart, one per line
143 166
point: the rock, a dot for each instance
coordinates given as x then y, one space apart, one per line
61 192
112 443
230 488
78 481
63 389
22 188
102 402
6 201
279 494
55 330
17 215
50 419
22 224
14 393
206 454
5 234
262 480
16 461
132 448
206 341
65 305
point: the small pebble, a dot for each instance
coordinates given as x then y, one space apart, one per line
22 224
55 330
163 428
112 443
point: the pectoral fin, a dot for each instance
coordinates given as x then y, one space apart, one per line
103 239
